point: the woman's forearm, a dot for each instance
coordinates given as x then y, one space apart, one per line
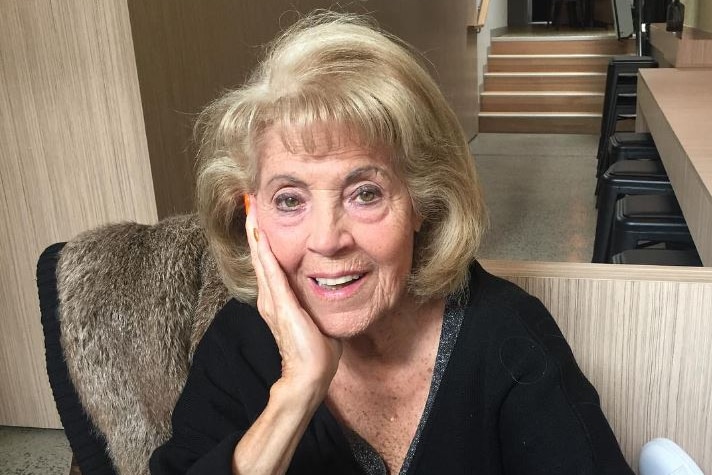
269 445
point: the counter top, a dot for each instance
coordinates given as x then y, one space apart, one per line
675 105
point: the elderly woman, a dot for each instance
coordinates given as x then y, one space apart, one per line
377 343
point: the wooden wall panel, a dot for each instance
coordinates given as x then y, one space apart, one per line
187 52
439 30
642 335
73 156
704 16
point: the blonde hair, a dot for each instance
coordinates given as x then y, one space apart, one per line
339 69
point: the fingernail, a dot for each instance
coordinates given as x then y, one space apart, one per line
246 197
256 234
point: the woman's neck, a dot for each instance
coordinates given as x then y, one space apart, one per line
397 338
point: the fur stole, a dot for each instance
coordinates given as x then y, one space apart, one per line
134 302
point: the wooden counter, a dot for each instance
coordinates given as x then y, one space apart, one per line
692 48
675 105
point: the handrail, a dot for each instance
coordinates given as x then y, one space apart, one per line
481 15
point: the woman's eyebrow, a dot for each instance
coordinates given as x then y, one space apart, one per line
289 179
360 172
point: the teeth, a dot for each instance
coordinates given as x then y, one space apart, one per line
337 281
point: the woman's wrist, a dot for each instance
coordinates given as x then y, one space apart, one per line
268 446
298 395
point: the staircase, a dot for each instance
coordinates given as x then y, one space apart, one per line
547 84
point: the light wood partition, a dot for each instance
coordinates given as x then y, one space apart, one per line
642 335
73 156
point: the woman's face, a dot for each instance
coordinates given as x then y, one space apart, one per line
341 224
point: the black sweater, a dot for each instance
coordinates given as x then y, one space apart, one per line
512 399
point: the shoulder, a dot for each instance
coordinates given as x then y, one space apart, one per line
497 297
237 328
233 318
517 330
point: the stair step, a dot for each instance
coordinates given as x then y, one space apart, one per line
561 45
543 81
548 62
538 101
540 122
552 84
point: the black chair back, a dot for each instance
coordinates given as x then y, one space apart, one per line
86 441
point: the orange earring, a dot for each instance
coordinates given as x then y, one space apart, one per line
246 197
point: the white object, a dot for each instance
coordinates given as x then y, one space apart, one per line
665 457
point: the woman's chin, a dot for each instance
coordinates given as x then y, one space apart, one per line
342 325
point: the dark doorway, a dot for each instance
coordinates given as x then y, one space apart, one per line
540 10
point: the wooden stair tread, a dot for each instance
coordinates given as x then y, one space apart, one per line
547 83
540 114
540 38
542 93
553 55
545 74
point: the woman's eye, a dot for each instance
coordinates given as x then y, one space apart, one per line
287 202
367 195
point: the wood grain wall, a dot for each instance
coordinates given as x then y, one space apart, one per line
642 335
188 52
73 156
704 16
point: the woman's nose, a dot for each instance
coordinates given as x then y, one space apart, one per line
329 230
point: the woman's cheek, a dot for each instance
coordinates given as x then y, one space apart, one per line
286 242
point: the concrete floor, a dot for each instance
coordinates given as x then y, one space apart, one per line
539 189
34 452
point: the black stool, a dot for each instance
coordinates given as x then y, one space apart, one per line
650 218
620 97
634 177
658 257
628 146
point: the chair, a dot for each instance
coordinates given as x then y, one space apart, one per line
122 310
86 441
626 177
658 257
628 146
652 219
619 102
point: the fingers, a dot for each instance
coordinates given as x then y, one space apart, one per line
274 289
264 297
307 355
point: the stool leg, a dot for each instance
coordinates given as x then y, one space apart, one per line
604 222
621 241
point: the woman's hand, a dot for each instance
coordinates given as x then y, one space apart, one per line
309 363
309 358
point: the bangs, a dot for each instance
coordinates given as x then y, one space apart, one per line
316 117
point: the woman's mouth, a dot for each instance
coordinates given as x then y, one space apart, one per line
335 283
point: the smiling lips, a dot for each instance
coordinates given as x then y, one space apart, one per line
336 282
